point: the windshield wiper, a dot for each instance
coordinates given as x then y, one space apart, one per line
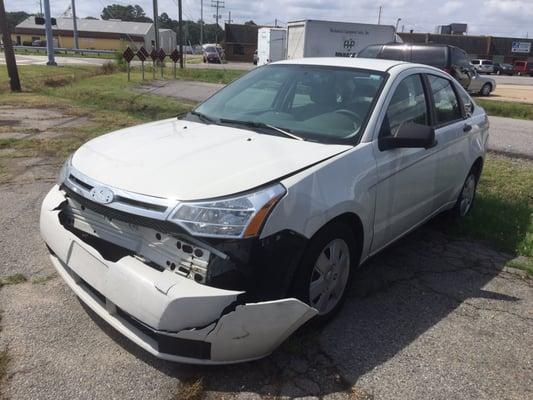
261 125
203 117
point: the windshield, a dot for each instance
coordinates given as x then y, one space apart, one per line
210 50
325 104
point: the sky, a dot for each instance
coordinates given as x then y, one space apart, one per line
484 17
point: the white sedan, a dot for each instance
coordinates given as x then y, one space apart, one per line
211 237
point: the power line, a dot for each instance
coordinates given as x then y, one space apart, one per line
217 4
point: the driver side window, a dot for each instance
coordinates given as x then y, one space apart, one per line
408 104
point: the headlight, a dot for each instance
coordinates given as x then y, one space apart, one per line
236 217
64 171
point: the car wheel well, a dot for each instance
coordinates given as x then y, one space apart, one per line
353 222
477 167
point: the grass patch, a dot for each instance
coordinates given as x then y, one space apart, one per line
191 390
13 279
523 263
503 213
507 109
41 280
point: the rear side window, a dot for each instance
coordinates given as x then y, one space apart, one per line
447 107
486 62
475 62
434 56
408 104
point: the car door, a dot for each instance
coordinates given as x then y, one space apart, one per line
451 132
407 177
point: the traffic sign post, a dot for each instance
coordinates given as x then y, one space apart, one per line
175 56
128 56
153 56
161 55
142 54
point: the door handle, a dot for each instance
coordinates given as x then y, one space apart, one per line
467 128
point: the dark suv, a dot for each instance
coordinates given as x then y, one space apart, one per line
451 59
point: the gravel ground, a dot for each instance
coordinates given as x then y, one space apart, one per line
432 317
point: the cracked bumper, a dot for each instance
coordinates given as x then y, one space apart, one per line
170 316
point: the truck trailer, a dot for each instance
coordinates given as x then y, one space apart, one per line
313 38
271 45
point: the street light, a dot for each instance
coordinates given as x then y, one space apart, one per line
397 22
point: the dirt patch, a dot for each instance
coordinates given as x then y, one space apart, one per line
513 93
21 123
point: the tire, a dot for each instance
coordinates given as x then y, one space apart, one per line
466 198
486 89
325 272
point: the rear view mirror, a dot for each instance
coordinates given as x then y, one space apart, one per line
409 135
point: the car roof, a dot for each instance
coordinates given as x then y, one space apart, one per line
363 63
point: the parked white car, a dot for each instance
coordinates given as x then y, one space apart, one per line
210 238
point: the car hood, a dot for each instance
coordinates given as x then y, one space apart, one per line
185 160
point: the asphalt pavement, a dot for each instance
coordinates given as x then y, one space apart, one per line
430 318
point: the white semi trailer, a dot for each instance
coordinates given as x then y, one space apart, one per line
271 45
312 38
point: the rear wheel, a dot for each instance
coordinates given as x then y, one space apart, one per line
324 274
465 202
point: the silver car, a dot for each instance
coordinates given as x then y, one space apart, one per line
482 85
483 66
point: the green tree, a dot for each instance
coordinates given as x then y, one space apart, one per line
14 18
125 13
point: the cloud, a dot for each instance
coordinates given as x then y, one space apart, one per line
488 17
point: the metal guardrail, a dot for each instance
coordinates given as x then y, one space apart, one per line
59 50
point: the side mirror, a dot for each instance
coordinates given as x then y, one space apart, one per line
409 135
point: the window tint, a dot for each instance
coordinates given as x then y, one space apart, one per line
486 62
446 105
434 56
475 62
408 104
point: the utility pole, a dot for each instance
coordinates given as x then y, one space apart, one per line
379 15
201 22
156 26
49 34
180 33
75 25
217 4
9 53
276 23
229 20
41 8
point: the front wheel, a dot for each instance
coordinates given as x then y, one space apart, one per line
324 274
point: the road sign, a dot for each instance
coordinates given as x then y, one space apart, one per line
144 51
128 55
161 55
153 55
40 21
175 56
521 47
141 54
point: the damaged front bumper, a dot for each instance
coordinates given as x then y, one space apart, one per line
169 315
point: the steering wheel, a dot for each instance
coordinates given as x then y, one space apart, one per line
357 120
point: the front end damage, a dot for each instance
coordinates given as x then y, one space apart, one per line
179 298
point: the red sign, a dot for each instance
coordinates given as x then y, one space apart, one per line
128 55
175 56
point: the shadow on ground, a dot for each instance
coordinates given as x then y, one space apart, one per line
395 297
